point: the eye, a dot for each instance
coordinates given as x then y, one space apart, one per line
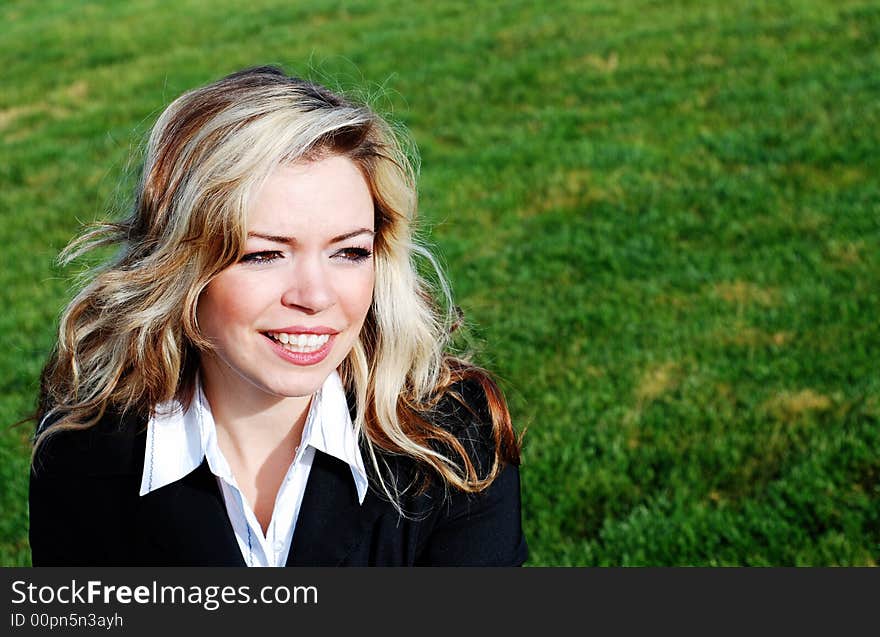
266 256
355 255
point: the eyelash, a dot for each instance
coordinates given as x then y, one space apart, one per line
358 254
267 256
259 258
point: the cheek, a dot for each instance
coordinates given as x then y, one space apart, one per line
206 313
224 305
356 296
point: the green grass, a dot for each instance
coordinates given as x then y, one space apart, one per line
661 218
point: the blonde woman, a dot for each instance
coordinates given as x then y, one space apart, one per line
260 377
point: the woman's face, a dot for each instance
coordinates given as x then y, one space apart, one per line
286 315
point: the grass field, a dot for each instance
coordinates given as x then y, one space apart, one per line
661 218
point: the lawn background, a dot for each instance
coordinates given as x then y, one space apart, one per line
662 220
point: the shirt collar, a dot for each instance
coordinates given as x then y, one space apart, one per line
178 439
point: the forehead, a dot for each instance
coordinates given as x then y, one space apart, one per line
326 196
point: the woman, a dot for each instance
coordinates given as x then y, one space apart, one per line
260 376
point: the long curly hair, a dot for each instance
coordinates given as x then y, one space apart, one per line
129 340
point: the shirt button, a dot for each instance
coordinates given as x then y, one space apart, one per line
279 545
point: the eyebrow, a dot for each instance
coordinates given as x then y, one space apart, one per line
292 240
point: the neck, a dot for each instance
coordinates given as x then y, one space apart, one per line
252 424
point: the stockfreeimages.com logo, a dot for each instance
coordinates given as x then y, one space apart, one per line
208 597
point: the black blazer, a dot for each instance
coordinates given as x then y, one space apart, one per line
85 509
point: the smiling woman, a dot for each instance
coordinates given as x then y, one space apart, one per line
260 377
307 256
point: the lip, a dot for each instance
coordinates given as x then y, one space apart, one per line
303 358
300 329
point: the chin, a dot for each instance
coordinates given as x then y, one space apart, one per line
295 389
299 383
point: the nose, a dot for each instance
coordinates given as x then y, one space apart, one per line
309 287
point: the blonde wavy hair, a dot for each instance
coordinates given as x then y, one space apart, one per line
129 341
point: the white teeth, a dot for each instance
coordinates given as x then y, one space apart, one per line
300 343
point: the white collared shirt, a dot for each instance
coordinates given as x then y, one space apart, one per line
178 440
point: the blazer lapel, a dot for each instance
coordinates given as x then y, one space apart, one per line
331 520
185 523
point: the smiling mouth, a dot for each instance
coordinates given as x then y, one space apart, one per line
299 343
